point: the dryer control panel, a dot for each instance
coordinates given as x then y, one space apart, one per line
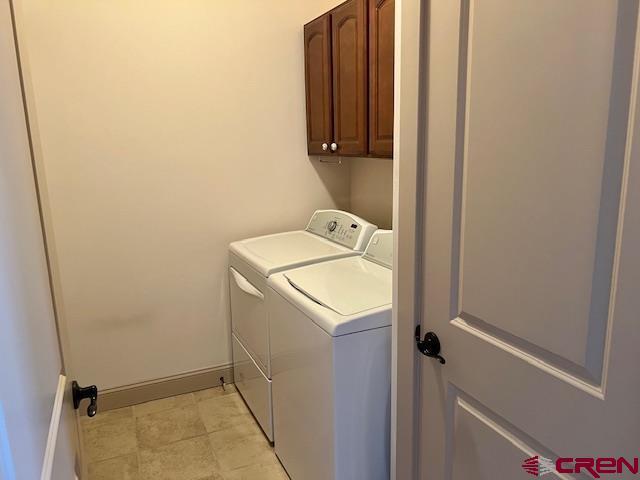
342 227
380 248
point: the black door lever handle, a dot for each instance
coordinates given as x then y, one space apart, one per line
430 345
80 393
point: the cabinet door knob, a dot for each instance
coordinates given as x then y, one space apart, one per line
325 147
334 147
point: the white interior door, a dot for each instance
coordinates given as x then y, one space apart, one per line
37 427
531 274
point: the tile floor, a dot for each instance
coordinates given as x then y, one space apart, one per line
206 435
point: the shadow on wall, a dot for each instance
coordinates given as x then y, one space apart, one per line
371 189
334 173
370 183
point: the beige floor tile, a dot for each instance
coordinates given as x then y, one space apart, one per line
163 404
185 460
110 440
188 437
119 468
224 411
215 392
255 472
240 446
105 417
162 428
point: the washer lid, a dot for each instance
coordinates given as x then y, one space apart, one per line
347 286
281 251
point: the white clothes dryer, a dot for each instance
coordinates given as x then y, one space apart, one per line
330 234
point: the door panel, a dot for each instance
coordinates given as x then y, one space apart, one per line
381 32
531 210
348 39
485 446
31 362
535 204
317 60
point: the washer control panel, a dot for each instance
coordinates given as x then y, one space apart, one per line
341 227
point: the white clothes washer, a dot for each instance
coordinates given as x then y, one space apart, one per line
331 365
330 234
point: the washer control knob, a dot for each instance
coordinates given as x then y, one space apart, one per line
331 226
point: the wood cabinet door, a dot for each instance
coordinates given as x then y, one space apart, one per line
381 31
317 59
349 46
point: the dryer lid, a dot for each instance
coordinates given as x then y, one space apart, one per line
347 286
273 253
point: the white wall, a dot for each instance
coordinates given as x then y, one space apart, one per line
166 130
371 191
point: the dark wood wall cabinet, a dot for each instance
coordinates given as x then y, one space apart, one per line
349 80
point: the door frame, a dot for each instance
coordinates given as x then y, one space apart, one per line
48 238
410 88
28 100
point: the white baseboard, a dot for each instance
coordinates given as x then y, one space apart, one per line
134 394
